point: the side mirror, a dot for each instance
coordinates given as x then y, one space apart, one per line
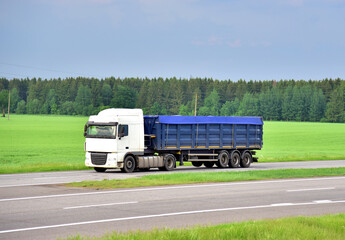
121 134
85 130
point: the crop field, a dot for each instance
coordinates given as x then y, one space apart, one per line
31 143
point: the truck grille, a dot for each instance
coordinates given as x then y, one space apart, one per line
98 158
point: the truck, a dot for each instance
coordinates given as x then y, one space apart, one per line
126 139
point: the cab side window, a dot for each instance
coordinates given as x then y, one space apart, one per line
123 130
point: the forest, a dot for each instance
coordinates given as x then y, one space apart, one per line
284 100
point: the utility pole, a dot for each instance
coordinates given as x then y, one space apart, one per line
196 102
9 103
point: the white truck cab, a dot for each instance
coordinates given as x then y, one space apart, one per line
111 136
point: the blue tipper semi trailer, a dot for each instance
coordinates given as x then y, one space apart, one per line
126 139
205 140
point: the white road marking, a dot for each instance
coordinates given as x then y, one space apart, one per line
163 215
310 189
322 201
281 204
173 187
100 205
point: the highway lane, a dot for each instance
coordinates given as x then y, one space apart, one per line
32 179
50 211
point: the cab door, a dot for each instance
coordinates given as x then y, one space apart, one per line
123 145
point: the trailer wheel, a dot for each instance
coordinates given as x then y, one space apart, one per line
246 160
235 160
98 169
209 164
197 164
223 159
169 161
128 164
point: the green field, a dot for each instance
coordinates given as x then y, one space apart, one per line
306 228
30 143
293 141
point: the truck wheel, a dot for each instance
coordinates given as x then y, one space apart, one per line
235 160
197 164
246 160
223 159
209 164
169 161
99 169
129 164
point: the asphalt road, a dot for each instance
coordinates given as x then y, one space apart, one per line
50 211
32 179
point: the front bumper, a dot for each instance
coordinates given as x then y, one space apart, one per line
109 161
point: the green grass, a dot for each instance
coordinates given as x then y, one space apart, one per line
189 178
306 228
300 141
30 143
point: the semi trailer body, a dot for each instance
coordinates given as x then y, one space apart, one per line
125 139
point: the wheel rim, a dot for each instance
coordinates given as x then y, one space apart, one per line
129 164
246 160
235 160
223 159
169 163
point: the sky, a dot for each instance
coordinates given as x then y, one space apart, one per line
219 39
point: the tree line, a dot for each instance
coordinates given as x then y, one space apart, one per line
287 100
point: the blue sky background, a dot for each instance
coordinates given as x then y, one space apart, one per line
235 39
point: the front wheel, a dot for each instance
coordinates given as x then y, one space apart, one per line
128 164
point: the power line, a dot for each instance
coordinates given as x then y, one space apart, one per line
13 74
44 69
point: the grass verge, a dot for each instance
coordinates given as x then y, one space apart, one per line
189 178
306 228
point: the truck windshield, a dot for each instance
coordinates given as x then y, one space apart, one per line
101 131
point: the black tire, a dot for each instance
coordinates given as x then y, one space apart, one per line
209 164
129 164
169 161
246 160
235 160
99 169
197 164
223 159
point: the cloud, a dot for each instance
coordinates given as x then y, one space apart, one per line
235 44
215 41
